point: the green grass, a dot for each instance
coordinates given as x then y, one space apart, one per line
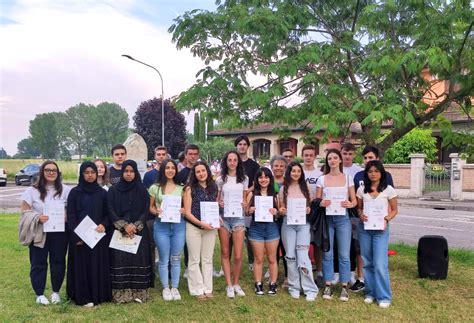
413 299
68 169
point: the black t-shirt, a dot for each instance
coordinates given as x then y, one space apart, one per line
115 175
183 175
251 167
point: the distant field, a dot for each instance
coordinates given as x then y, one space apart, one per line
68 168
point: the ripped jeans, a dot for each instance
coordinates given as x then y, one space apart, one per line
296 239
169 239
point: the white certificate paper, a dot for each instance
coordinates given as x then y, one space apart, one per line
233 204
56 213
336 195
263 204
296 211
124 243
210 213
86 231
375 211
171 207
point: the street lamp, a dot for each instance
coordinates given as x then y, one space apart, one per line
162 98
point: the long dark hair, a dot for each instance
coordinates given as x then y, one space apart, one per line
383 178
240 167
327 169
41 183
257 189
161 179
301 182
193 182
105 177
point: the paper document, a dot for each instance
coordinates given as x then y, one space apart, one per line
171 207
296 211
233 204
86 231
124 243
210 213
375 211
56 213
336 195
263 204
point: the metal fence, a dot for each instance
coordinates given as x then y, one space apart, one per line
437 178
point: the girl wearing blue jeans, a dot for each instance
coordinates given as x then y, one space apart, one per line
374 243
337 193
169 237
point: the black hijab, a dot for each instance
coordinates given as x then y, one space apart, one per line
83 184
123 185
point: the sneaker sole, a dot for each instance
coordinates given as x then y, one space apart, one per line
357 290
327 297
344 299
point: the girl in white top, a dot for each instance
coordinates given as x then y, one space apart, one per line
47 189
102 174
337 193
232 178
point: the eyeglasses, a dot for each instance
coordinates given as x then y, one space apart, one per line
50 171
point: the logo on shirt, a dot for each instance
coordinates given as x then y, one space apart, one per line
311 180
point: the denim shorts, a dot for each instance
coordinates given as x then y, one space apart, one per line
264 231
231 224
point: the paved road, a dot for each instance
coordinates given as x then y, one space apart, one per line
410 224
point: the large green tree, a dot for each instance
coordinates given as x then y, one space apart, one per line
327 64
45 130
27 149
80 128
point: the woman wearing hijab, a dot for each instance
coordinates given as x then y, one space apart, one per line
128 202
88 275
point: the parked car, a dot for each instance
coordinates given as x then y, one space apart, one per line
27 175
3 177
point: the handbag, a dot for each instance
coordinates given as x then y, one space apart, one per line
319 226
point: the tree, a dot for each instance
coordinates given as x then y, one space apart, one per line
327 64
80 128
26 149
110 124
147 120
416 141
197 127
3 154
45 133
214 149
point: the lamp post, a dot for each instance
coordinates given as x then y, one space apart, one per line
162 98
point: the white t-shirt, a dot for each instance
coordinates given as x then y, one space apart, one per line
353 170
32 196
311 177
232 185
349 180
384 196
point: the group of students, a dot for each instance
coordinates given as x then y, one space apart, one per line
116 199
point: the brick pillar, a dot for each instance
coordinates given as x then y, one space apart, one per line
417 174
456 184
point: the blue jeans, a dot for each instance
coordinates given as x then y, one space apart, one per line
341 225
169 239
296 239
374 251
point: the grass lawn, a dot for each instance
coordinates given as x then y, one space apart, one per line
413 299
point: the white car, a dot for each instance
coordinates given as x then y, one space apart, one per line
3 177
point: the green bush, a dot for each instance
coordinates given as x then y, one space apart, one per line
416 141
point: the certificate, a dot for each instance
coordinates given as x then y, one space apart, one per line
336 195
124 243
171 207
375 211
56 213
263 204
233 204
86 231
210 213
296 211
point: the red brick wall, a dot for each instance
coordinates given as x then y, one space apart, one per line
400 173
468 178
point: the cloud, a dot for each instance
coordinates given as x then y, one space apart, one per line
58 54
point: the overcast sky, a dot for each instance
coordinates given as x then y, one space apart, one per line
56 54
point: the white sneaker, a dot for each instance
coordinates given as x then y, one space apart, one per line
139 301
185 275
175 294
42 300
368 300
230 291
167 294
55 298
310 298
267 274
238 290
384 304
216 273
88 305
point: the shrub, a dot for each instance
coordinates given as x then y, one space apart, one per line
416 141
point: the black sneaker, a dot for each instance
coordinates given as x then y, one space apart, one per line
272 289
327 292
357 286
259 289
320 281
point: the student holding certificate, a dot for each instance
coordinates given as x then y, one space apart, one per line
200 209
294 199
47 191
337 193
264 234
377 206
88 272
169 229
128 203
232 186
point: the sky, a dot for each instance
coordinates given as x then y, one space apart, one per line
56 54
